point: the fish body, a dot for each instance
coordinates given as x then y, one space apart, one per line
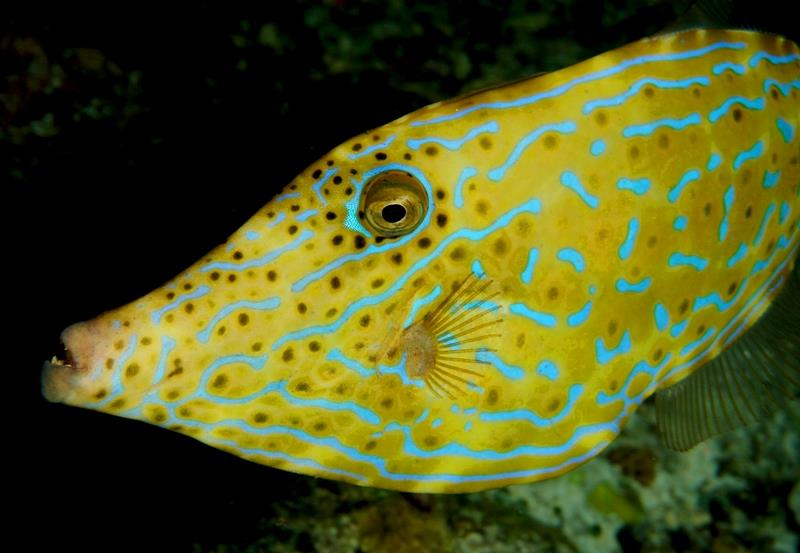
573 243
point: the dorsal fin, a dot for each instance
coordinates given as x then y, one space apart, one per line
749 381
769 16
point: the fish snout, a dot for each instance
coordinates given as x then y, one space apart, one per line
71 380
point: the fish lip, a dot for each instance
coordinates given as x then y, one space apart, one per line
61 375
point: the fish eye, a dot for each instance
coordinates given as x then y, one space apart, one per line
394 203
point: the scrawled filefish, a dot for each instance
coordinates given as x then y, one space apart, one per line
481 292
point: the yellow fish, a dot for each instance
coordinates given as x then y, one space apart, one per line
481 292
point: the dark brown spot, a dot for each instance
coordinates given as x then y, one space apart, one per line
732 288
337 180
684 306
320 426
397 258
649 91
441 220
117 404
457 253
552 293
360 242
260 418
550 141
663 141
407 156
337 239
377 283
244 318
440 194
301 308
101 394
214 275
774 93
701 329
431 441
380 156
634 152
424 242
652 241
271 275
302 387
370 445
364 321
612 327
287 354
481 207
491 397
146 341
237 255
316 174
221 330
256 346
314 345
132 370
696 92
737 115
500 246
657 354
292 229
220 381
431 151
356 147
707 209
486 143
553 405
387 403
231 277
187 286
748 212
336 283
331 312
170 295
330 216
601 118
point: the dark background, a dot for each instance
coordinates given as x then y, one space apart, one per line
136 136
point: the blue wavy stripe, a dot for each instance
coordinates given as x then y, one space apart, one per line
634 89
263 305
754 152
605 355
646 129
624 286
573 395
678 259
455 144
719 112
198 292
544 319
366 151
260 261
565 127
571 181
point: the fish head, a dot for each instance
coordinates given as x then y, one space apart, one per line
351 305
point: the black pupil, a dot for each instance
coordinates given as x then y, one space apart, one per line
393 213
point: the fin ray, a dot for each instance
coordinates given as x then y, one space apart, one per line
755 377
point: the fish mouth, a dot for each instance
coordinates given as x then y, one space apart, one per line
64 377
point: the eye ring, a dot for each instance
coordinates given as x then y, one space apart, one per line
394 203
